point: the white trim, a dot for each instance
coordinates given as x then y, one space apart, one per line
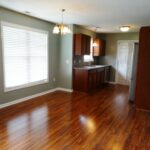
33 96
112 83
64 89
26 85
3 23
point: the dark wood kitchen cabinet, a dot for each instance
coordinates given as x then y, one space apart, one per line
82 44
92 79
107 74
100 76
86 80
99 47
142 91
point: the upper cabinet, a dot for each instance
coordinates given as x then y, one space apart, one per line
99 47
82 44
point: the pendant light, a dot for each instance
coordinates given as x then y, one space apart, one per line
61 28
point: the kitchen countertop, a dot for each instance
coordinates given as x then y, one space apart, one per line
91 67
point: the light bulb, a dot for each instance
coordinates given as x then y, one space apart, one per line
56 30
65 30
94 45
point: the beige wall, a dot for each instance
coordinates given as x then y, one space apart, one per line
111 49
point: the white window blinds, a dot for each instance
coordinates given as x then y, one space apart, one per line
25 57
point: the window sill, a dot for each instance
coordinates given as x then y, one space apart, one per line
25 85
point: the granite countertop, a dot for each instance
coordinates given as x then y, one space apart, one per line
91 67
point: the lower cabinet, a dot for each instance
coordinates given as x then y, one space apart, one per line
107 74
92 79
87 80
100 77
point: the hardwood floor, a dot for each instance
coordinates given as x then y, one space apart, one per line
102 120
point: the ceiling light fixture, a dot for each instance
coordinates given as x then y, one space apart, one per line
61 28
125 28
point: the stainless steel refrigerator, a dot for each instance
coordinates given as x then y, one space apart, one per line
133 74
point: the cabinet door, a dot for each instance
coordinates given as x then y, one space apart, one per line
77 44
103 47
107 74
88 45
96 48
99 48
80 80
100 77
82 44
92 79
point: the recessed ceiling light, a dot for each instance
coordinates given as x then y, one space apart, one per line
125 28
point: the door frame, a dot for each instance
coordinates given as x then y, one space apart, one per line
133 41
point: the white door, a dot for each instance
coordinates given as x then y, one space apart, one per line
124 62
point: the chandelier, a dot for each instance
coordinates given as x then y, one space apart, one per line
61 28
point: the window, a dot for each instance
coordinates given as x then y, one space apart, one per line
25 56
89 58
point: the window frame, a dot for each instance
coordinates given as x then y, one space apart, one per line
3 23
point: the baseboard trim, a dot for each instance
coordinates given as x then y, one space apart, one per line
34 96
112 83
64 89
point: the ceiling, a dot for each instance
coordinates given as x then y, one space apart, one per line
108 15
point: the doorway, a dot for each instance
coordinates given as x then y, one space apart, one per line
124 61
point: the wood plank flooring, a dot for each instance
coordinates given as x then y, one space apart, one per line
101 120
